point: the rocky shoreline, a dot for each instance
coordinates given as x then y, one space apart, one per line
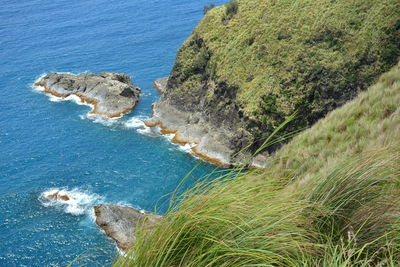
120 223
161 84
209 143
110 94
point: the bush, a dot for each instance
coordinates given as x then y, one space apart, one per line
231 9
207 8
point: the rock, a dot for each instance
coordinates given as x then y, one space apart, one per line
120 222
111 94
213 132
161 84
56 196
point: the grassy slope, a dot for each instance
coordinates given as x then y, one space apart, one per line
371 120
329 198
308 56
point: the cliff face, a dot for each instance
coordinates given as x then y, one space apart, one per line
250 64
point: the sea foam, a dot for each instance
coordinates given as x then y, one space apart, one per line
138 124
135 122
100 119
79 202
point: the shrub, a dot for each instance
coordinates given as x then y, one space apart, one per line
207 8
231 9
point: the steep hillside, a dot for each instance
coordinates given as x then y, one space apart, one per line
250 64
330 197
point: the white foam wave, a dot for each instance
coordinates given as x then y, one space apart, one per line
53 98
75 201
169 136
138 124
77 100
149 131
187 148
135 122
38 88
100 119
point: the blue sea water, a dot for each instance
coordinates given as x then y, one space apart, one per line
52 145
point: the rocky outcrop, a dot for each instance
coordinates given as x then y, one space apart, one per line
111 94
56 197
205 113
228 92
211 143
215 127
161 84
120 223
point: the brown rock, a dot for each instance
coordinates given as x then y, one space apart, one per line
120 223
111 94
57 196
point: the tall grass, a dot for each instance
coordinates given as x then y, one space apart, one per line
341 218
342 209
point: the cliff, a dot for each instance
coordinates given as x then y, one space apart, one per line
330 197
250 64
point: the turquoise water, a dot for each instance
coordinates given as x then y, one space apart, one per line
52 145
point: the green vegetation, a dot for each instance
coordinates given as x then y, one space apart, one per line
328 198
331 196
279 57
207 8
231 9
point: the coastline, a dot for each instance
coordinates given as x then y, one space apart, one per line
210 144
93 103
121 222
161 84
178 139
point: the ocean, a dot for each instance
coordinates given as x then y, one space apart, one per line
49 145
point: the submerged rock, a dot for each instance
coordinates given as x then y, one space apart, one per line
120 222
56 197
111 94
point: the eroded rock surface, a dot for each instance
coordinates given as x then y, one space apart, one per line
161 84
111 94
120 222
214 134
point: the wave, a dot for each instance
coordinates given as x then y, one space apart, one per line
149 131
77 100
100 119
135 122
38 88
186 148
74 201
138 124
131 123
